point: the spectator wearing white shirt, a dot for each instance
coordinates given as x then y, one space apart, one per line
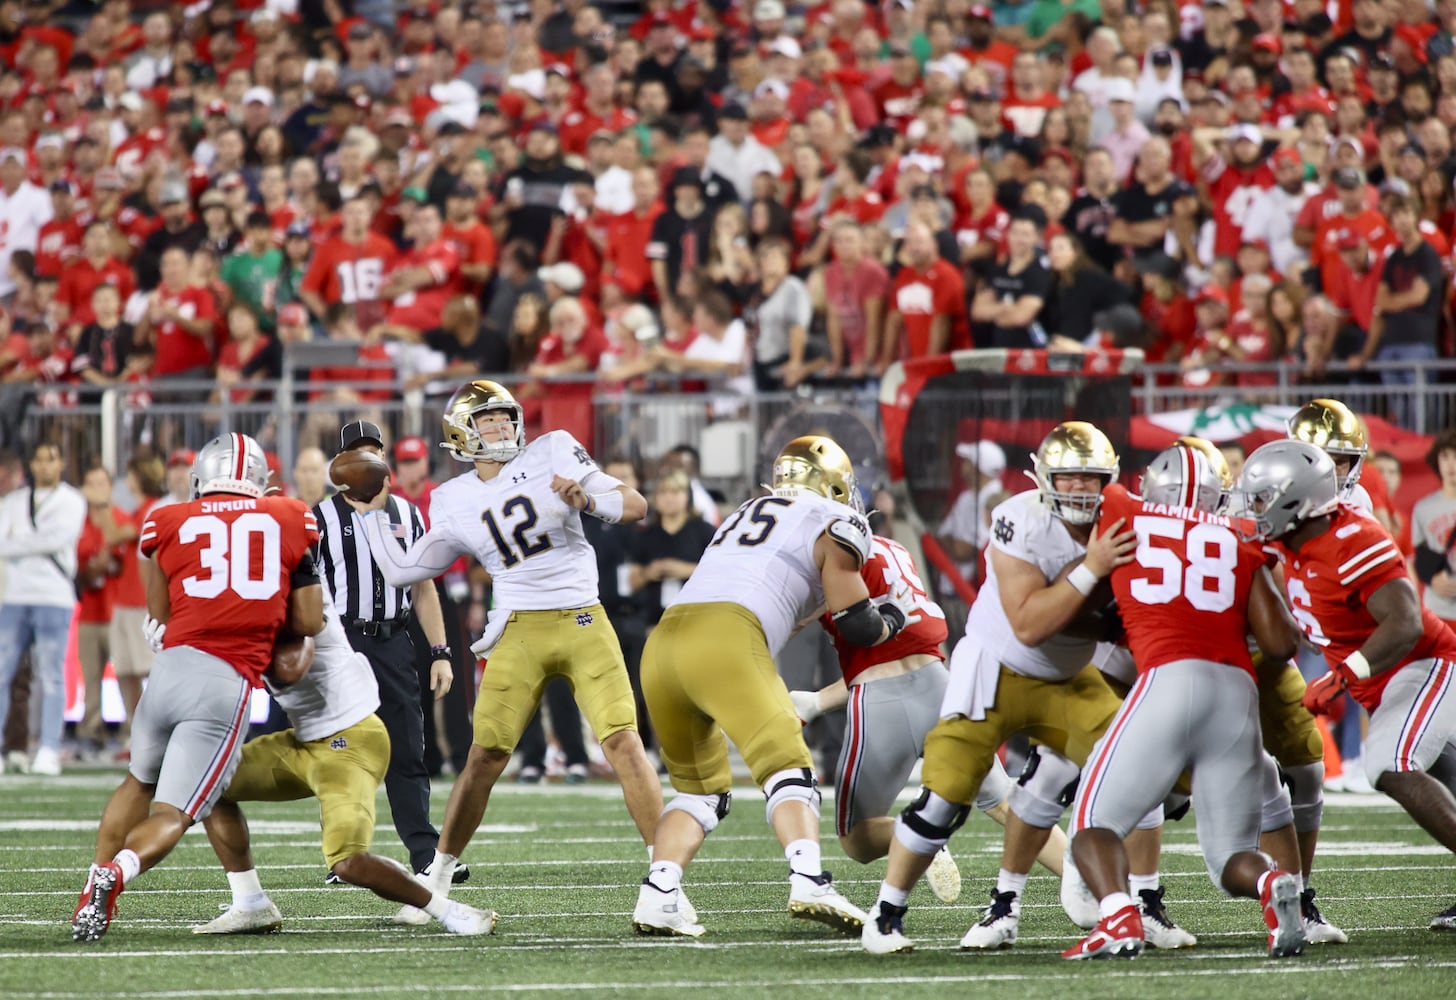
39 528
736 155
966 529
1127 135
1273 212
1103 48
24 208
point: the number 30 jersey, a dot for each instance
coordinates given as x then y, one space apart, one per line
231 563
890 572
526 537
762 559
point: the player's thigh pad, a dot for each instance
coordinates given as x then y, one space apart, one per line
885 728
1277 810
1227 758
514 676
995 787
1415 720
206 702
1290 733
597 672
347 769
692 746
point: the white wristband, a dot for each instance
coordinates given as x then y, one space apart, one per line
607 506
1082 579
1359 666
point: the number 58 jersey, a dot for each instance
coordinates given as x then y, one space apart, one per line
231 564
762 559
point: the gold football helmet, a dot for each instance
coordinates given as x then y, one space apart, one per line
1331 426
1074 446
462 437
815 464
1217 462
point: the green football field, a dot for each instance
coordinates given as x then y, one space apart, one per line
561 866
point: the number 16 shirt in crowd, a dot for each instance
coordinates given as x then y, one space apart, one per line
1186 594
231 563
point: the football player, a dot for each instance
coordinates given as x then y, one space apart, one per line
1333 427
892 693
337 752
1187 603
1023 666
708 669
226 572
519 513
1350 593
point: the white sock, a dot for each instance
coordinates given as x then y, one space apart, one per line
895 897
129 863
649 854
1111 903
442 869
804 858
1262 881
665 876
1010 882
247 890
437 905
1298 881
1139 883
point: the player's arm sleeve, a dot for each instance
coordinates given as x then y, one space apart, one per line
425 560
305 574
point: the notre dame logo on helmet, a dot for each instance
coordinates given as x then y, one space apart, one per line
1004 530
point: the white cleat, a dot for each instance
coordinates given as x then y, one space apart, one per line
1159 931
943 877
815 898
236 920
1078 902
662 914
685 907
467 921
1318 930
884 931
46 763
411 916
997 929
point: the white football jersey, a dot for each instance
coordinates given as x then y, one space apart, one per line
529 541
338 691
1023 527
1360 499
762 559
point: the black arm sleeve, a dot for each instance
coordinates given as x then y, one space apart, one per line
862 624
305 574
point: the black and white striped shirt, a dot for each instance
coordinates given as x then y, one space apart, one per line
360 593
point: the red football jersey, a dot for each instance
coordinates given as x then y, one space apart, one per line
1186 596
891 570
1330 582
230 563
348 272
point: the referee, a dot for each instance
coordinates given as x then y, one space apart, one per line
376 619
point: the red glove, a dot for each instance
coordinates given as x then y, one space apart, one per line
1326 696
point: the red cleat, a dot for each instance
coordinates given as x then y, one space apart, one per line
97 904
1282 915
1117 936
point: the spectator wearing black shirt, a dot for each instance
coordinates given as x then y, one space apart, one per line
1407 307
1091 213
177 231
104 349
248 356
1079 290
1370 34
1016 289
662 58
469 348
682 235
1144 209
530 196
452 150
667 551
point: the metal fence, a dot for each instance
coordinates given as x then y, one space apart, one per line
732 431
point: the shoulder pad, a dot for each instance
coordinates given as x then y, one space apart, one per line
852 532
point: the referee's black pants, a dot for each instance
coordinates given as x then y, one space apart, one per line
406 783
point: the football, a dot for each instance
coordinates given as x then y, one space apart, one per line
291 660
359 473
1101 595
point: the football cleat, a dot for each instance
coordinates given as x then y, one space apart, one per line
1159 931
997 928
236 920
467 921
1078 902
1117 936
944 877
460 874
662 914
884 931
815 898
411 916
1280 900
97 904
1318 930
1445 920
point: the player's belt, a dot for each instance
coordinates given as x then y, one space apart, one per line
379 630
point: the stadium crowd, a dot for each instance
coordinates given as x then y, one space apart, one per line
717 189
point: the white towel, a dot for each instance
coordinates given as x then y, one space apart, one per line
974 675
494 628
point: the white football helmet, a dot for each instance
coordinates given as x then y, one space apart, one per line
230 463
1182 476
1285 483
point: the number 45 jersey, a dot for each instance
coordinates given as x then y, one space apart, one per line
762 559
526 537
231 563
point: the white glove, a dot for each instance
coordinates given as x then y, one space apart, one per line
153 630
904 600
806 703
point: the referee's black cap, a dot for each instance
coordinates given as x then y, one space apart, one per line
360 432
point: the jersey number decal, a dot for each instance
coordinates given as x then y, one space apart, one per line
528 546
1207 582
900 575
1302 607
359 279
761 522
229 556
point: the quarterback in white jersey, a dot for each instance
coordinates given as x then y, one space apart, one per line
337 751
519 513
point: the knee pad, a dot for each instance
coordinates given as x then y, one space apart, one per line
1152 820
1046 787
707 810
1307 793
794 785
995 787
1176 806
927 823
1276 812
